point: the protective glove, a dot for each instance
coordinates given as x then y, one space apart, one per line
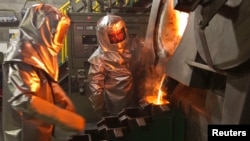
98 104
61 98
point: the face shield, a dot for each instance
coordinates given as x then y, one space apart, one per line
112 33
59 24
61 30
116 35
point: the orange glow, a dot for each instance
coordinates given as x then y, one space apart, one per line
160 92
182 19
38 62
158 99
51 113
62 29
117 27
153 100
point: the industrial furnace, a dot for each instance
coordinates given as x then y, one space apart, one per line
82 42
211 64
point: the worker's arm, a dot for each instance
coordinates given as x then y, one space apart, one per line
24 84
96 78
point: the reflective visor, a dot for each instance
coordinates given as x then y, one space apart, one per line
117 36
61 30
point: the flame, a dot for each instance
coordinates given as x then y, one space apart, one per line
182 19
158 100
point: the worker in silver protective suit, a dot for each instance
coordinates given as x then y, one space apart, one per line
33 101
112 67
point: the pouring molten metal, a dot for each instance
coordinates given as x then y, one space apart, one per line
158 99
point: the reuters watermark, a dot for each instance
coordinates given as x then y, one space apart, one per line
241 132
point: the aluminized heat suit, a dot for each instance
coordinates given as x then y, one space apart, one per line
32 95
112 67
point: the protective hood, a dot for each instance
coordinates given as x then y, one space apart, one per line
42 30
112 33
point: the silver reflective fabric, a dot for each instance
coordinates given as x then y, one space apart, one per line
112 67
30 66
106 25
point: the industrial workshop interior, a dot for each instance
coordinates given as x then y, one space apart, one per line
194 66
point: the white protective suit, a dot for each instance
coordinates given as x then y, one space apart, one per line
113 67
33 101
